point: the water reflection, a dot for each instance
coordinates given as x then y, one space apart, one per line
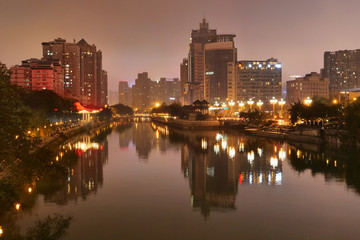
216 163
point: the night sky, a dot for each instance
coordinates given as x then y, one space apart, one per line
153 35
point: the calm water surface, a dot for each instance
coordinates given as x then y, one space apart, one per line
142 181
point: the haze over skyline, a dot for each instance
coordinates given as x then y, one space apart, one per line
153 36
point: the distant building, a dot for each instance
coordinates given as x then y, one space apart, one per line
39 74
141 92
343 70
311 85
124 93
259 80
169 90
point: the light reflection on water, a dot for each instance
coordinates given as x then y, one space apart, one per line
129 172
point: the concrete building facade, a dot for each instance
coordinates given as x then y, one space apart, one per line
309 86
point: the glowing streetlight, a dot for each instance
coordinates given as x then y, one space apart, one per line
231 103
281 103
259 104
1 231
29 190
273 101
17 206
308 101
241 105
250 102
335 101
157 105
216 104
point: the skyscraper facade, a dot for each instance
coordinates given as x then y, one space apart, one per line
84 78
218 53
259 80
343 70
209 55
69 54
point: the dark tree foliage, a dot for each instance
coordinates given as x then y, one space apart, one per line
318 109
47 101
352 117
14 121
122 109
173 109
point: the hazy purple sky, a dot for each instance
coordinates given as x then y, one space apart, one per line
153 35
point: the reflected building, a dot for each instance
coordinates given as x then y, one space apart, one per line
86 175
216 164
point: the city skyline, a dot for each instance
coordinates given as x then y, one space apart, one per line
156 38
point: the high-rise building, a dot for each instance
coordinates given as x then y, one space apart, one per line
196 59
69 55
311 85
219 52
36 74
82 70
124 93
184 78
88 73
343 70
258 80
141 92
208 57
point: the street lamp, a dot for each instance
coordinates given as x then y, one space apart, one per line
273 101
259 104
250 102
241 105
308 101
281 103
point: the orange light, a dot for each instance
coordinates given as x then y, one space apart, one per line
29 189
17 206
240 65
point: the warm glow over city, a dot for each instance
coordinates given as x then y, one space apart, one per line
192 119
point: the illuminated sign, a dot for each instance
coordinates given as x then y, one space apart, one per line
209 73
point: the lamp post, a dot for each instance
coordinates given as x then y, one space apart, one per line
241 105
281 103
250 102
273 101
259 104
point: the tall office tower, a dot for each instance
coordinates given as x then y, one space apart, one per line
36 74
219 52
104 96
196 59
88 75
184 78
69 55
209 55
100 93
343 70
311 85
124 93
259 80
141 92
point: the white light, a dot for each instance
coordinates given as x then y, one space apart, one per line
260 151
231 152
251 157
278 65
260 66
216 148
209 73
218 137
250 65
223 144
278 178
273 162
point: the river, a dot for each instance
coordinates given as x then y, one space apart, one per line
145 181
